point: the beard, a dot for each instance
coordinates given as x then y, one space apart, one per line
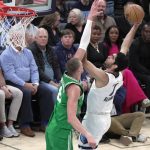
106 66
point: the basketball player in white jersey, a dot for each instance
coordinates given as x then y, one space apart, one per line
97 119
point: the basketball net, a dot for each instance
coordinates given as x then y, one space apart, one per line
13 24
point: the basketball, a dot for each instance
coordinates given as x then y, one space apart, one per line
134 13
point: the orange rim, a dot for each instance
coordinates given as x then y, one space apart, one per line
13 11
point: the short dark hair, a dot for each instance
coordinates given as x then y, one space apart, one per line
67 32
72 65
121 61
96 27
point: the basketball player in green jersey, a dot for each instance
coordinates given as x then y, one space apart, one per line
69 100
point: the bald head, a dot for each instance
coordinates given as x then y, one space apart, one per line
42 38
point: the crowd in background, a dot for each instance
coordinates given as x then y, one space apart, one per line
35 71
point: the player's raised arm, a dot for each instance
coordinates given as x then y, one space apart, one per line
85 39
129 39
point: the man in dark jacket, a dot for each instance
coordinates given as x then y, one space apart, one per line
139 57
46 60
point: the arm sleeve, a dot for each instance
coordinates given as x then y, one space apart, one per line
85 39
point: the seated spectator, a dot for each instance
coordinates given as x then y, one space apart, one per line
65 49
135 94
14 95
103 20
50 23
76 23
84 6
60 7
123 24
46 60
30 34
96 52
110 7
139 57
128 125
146 4
21 71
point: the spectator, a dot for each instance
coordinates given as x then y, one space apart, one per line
123 24
49 70
60 7
139 57
110 7
134 93
30 34
14 95
146 4
20 70
128 125
103 20
50 23
84 6
76 23
96 52
65 49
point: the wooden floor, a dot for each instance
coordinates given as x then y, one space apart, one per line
38 142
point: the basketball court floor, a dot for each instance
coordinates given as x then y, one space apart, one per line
38 142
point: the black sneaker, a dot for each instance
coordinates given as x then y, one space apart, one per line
105 139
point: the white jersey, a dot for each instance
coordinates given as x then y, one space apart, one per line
100 100
97 119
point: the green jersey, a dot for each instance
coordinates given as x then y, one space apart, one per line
58 127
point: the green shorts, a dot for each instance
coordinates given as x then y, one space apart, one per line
58 142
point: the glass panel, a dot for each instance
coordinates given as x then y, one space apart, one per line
40 6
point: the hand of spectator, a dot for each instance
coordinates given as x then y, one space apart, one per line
35 89
8 93
54 84
94 10
30 86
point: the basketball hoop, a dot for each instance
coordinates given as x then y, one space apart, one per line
13 23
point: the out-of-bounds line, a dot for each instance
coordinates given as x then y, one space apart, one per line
10 146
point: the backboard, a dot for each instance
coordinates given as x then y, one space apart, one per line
42 7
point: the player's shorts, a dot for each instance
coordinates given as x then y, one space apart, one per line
56 142
97 125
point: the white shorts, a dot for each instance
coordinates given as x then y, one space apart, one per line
97 125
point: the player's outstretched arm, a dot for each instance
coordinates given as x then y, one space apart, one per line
85 39
129 39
